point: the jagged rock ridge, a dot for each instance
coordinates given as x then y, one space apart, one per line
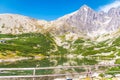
91 23
84 21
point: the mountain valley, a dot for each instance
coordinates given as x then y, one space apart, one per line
93 37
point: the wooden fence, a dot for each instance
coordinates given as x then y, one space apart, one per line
33 76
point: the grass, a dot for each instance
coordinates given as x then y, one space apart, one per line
31 43
87 47
7 36
37 43
109 71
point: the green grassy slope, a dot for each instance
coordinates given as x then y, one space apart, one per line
28 44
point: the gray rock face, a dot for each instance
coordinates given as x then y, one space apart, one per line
16 24
91 23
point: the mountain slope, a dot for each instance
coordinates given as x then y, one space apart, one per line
16 24
83 22
86 21
29 44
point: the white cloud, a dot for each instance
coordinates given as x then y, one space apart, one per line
107 7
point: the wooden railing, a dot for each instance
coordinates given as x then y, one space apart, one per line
48 68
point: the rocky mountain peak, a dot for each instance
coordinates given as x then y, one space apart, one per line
83 21
85 8
89 22
114 12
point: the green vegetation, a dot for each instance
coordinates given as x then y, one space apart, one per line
7 36
86 61
117 61
30 43
37 43
78 41
27 64
46 62
116 42
113 70
87 47
30 63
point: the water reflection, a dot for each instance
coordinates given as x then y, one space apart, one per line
49 62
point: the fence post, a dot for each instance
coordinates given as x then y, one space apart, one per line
34 71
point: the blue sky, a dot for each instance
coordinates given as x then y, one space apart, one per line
52 9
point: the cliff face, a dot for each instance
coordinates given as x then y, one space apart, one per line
91 23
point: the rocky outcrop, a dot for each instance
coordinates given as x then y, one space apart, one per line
87 21
16 24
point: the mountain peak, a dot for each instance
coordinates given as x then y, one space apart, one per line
85 8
